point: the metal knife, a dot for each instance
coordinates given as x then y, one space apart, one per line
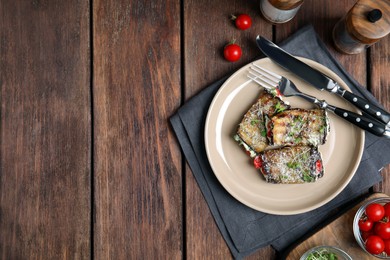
319 80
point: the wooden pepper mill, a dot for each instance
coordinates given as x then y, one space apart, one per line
279 11
366 23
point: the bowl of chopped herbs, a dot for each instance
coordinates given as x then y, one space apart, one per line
325 253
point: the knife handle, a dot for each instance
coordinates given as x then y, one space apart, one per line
366 123
367 107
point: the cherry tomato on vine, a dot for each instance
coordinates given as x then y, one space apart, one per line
242 21
382 229
375 212
375 245
387 210
232 52
387 246
366 234
365 224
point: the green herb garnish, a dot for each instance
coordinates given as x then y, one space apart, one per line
322 254
308 178
298 119
293 165
279 108
298 139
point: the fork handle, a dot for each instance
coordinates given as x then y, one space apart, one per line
364 122
366 106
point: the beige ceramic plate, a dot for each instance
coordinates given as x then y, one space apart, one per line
234 169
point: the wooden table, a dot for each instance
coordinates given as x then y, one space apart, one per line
90 166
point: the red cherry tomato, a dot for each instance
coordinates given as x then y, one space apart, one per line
232 52
387 246
365 224
375 212
258 162
366 234
387 210
382 229
243 21
278 93
375 245
318 166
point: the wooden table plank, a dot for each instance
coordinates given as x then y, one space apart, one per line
137 162
205 36
380 87
45 167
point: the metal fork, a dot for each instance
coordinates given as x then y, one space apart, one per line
270 80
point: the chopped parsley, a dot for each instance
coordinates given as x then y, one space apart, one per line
308 178
293 165
279 108
298 119
298 139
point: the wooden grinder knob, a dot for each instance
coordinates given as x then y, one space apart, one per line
369 20
366 23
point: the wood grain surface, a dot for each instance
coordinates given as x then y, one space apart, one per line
137 163
45 164
359 25
380 87
89 164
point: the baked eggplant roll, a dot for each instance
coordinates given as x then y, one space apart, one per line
295 164
298 126
251 132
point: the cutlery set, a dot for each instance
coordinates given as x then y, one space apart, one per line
373 119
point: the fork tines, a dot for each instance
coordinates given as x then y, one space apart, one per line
264 77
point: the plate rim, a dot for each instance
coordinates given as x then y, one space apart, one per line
360 140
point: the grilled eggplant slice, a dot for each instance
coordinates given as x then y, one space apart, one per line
298 126
295 164
251 132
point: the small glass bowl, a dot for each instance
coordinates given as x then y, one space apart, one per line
358 215
341 255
